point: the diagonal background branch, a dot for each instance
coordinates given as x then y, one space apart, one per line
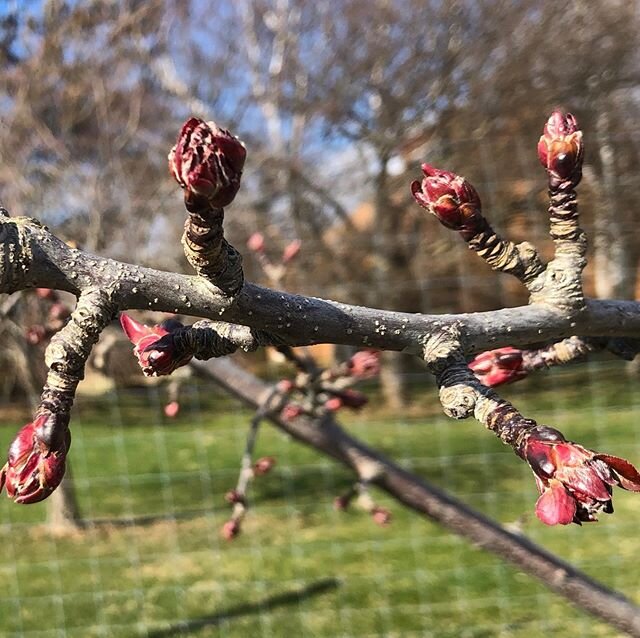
329 438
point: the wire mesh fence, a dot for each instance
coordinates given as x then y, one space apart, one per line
148 558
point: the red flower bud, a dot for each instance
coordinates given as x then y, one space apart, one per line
59 311
346 398
497 367
256 243
291 411
381 516
154 347
233 497
34 469
561 148
207 162
230 530
333 404
574 482
285 386
46 293
264 465
365 364
449 197
36 334
171 409
291 251
341 503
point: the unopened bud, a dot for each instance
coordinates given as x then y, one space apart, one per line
230 530
451 198
291 251
34 468
381 516
171 409
154 347
561 148
291 411
256 243
264 465
365 364
207 162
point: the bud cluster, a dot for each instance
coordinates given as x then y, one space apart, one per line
274 272
497 367
155 346
35 465
451 198
316 391
207 162
57 315
575 483
561 149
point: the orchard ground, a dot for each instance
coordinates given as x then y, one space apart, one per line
150 561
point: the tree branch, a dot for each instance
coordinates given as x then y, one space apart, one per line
431 501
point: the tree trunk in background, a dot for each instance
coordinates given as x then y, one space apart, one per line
392 380
389 275
63 512
615 272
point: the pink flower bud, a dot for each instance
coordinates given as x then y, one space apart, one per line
154 347
46 293
171 409
333 404
365 364
449 197
561 148
230 530
574 482
497 367
59 311
346 398
207 162
264 465
256 243
291 251
36 334
285 386
381 516
291 411
34 469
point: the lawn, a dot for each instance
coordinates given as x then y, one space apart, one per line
151 561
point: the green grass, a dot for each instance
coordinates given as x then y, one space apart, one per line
300 568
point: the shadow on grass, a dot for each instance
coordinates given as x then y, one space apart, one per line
244 609
140 521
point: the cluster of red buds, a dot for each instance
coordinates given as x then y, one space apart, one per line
561 149
451 198
500 366
317 391
274 272
207 162
57 315
238 497
154 346
35 465
575 483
